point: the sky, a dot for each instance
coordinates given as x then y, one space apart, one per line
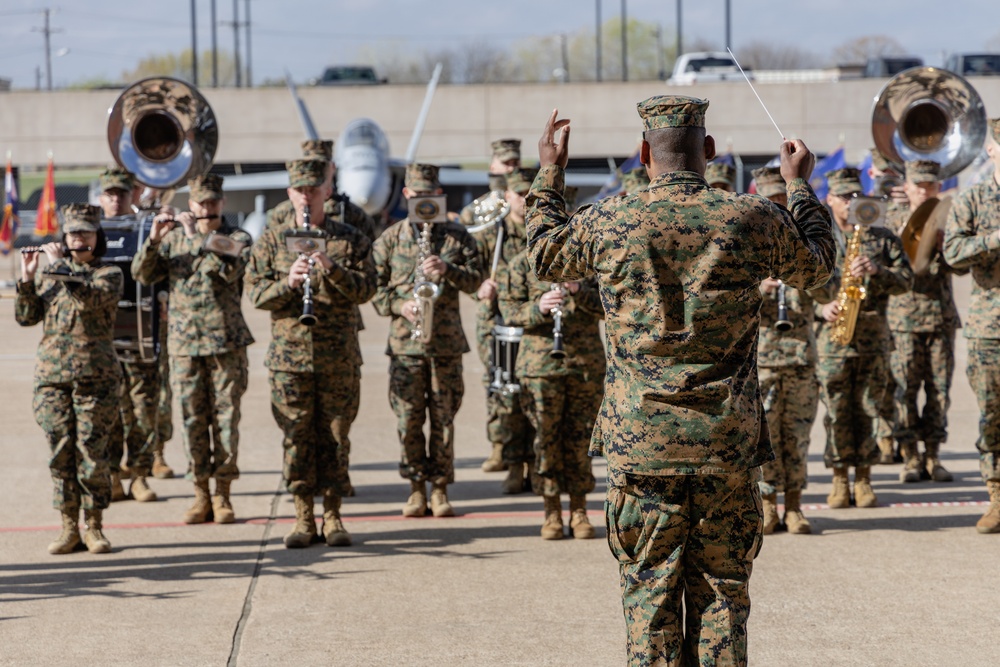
103 38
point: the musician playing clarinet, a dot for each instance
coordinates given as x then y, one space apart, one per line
314 363
77 376
203 262
562 385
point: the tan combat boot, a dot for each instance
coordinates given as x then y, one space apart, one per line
771 520
840 494
552 529
885 451
416 504
515 479
494 463
117 490
160 468
94 537
139 489
333 528
579 523
990 522
201 510
912 464
795 521
69 539
222 509
304 532
936 471
439 500
864 496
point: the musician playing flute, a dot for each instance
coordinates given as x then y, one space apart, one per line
786 366
560 394
314 370
207 336
77 376
425 377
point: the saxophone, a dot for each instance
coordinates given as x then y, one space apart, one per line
852 293
424 291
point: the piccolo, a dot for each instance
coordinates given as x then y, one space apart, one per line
28 250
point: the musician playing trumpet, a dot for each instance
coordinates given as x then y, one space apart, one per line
77 376
560 393
314 370
425 371
852 376
786 365
203 262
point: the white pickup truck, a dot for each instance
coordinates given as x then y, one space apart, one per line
705 67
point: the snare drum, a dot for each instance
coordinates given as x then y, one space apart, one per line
503 357
137 325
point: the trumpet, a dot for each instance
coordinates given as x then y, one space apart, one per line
782 324
557 351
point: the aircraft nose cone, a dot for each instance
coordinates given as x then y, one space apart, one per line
362 201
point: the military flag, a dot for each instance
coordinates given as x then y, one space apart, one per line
47 224
8 229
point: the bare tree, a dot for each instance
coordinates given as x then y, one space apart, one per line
765 55
179 65
860 49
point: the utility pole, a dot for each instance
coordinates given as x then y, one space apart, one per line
215 50
661 59
236 40
565 57
597 33
624 41
246 23
194 43
680 33
47 31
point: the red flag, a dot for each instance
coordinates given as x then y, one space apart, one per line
8 228
47 224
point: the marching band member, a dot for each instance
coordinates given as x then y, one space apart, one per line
314 370
505 158
721 176
425 378
207 336
77 375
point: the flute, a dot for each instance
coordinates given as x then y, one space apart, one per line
31 249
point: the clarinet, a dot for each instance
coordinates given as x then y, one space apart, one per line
557 351
783 324
307 317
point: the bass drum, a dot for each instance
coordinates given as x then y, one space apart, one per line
137 327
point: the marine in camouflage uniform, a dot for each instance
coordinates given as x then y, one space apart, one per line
165 406
852 377
681 423
721 175
560 395
314 371
425 378
505 158
134 429
635 180
786 362
207 337
923 323
507 427
972 240
77 374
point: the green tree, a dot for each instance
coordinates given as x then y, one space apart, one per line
179 65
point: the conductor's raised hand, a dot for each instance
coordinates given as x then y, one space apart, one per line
797 161
549 150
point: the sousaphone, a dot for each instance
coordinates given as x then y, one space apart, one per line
926 113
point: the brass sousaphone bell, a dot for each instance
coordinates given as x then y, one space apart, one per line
926 113
163 131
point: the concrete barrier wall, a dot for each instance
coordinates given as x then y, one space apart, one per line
261 125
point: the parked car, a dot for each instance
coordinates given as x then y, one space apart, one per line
350 75
705 67
973 64
889 66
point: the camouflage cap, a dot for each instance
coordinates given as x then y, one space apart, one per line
880 161
116 178
498 182
422 177
520 180
845 181
317 149
922 171
81 218
570 194
506 149
672 111
306 172
769 181
635 180
206 187
995 129
720 172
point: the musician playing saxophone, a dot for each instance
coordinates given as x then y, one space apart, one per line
786 364
560 395
508 430
314 371
852 377
425 373
207 336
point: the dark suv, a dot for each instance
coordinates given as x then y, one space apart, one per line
352 75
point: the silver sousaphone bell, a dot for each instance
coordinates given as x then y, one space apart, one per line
163 131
